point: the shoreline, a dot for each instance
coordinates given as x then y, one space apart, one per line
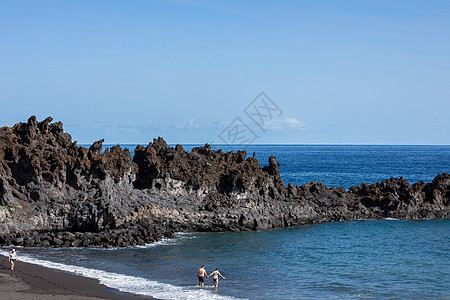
30 281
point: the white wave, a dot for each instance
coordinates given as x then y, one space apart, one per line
180 237
163 242
186 234
391 219
126 283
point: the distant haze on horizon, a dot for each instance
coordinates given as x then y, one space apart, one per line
332 72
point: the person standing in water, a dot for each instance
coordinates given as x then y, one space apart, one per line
201 273
13 258
216 274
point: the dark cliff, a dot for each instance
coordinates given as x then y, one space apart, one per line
53 192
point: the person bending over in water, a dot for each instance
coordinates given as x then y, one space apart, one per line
216 274
12 258
200 274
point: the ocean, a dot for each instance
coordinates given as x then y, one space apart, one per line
385 259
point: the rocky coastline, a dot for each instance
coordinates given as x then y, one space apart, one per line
54 193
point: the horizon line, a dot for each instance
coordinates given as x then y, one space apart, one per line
269 144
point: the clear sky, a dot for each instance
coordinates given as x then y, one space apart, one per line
340 72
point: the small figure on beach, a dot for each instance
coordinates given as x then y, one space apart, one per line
13 258
201 273
216 274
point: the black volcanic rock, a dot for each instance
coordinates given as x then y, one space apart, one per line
55 193
204 171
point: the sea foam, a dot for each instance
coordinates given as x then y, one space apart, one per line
126 283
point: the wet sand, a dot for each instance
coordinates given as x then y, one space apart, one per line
33 282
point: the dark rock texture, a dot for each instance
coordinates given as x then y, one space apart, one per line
55 193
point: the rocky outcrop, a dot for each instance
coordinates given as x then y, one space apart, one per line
56 193
204 172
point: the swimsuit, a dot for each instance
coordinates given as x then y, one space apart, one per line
200 278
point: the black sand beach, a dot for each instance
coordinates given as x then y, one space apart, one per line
29 281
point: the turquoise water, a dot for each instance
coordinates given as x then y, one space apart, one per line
387 259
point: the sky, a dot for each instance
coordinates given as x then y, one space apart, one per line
231 71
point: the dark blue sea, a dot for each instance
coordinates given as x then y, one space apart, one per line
386 259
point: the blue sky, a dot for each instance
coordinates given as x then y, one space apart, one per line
341 72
